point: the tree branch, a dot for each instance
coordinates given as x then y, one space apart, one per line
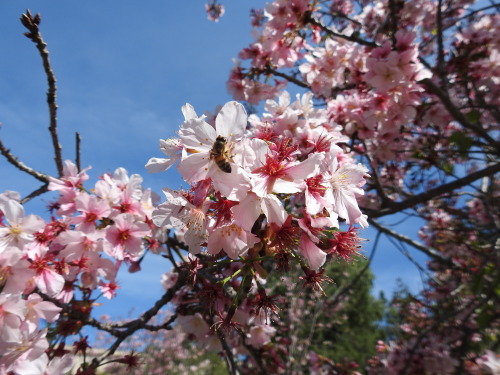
440 46
32 23
137 324
21 166
231 364
432 193
455 112
351 38
288 78
77 159
41 190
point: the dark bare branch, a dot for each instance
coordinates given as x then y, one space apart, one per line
127 329
440 45
78 155
21 166
289 78
351 38
41 190
32 24
231 364
433 193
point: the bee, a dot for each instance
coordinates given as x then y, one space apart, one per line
220 154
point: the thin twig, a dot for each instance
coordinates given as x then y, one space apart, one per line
433 253
21 166
351 38
440 46
402 249
78 141
41 190
341 15
375 177
255 354
32 23
231 364
393 20
140 323
288 78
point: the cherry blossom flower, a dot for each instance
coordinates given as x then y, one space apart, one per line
178 212
234 240
260 335
20 228
126 235
345 186
92 209
199 138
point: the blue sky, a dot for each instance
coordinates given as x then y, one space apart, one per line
123 73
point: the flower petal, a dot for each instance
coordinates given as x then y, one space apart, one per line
231 121
247 212
197 134
314 255
194 167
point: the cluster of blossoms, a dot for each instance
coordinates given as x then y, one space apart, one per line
266 192
370 90
286 169
67 261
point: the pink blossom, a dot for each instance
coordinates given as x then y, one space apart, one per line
27 350
169 279
278 175
126 234
71 178
199 138
345 183
171 148
91 209
108 289
234 240
15 273
249 209
46 278
13 310
194 324
19 229
178 212
260 335
42 366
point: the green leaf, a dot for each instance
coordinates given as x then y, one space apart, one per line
447 167
462 141
473 116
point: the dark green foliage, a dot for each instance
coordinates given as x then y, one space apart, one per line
345 324
354 333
